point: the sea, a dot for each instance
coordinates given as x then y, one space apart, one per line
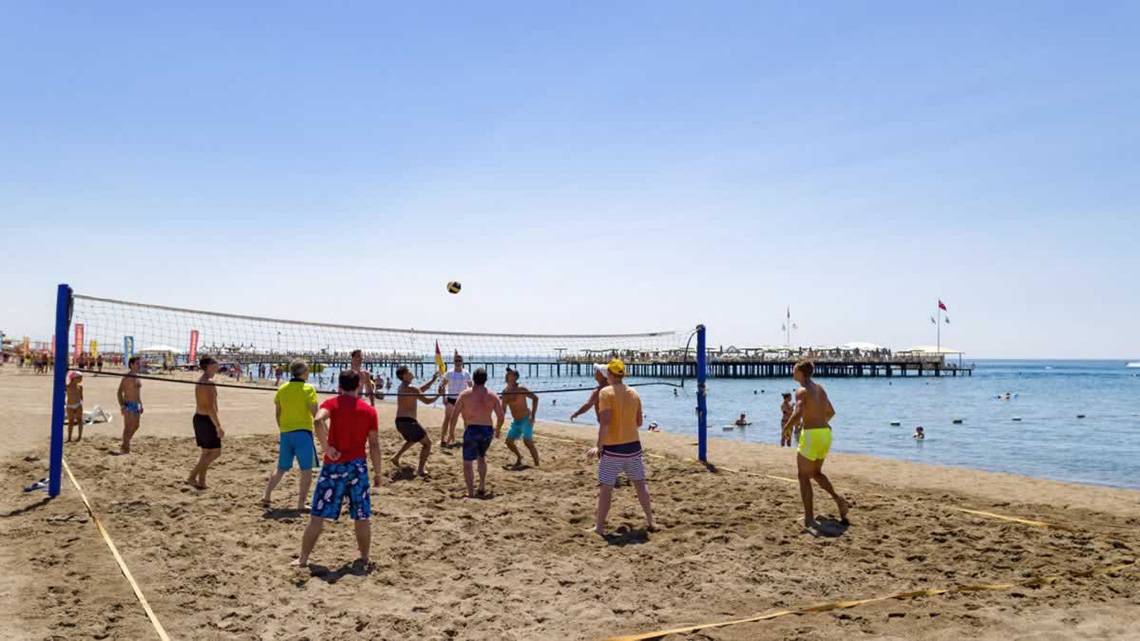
1068 420
1036 432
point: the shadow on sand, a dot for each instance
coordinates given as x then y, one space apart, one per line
330 576
627 536
283 514
27 508
830 528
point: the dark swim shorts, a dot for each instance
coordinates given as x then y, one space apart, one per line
476 441
206 433
410 429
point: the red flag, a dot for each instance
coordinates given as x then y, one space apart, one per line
942 305
193 352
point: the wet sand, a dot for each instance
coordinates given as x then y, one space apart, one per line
520 565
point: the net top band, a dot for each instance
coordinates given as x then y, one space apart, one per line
420 332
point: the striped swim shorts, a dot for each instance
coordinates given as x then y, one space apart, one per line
621 459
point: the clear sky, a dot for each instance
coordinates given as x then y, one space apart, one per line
585 166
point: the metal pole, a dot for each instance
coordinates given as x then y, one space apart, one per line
702 407
59 394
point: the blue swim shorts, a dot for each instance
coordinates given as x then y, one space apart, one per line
521 427
339 481
297 444
476 440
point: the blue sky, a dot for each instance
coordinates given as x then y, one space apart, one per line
595 167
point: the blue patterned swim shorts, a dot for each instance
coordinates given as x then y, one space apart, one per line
338 481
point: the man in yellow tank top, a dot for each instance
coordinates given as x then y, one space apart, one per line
619 448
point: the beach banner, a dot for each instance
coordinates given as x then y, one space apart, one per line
94 348
78 339
193 352
128 348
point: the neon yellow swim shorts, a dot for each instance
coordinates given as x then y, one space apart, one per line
814 443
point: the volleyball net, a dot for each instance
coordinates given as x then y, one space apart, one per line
251 348
93 331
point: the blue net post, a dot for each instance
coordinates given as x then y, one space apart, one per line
59 387
702 407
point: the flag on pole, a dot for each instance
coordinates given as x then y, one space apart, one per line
439 360
942 305
947 320
932 321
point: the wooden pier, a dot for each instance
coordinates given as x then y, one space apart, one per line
677 370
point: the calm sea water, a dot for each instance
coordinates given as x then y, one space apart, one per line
1048 442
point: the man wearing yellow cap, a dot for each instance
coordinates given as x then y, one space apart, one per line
618 448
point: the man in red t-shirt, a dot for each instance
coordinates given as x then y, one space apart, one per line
343 425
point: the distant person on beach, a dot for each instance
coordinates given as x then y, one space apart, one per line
130 402
208 432
786 410
344 426
814 410
75 404
515 397
99 364
919 434
408 397
600 377
618 447
455 382
367 383
476 405
295 405
742 421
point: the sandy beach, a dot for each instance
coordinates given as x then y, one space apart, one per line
519 565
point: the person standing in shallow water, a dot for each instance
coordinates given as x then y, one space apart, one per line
786 410
813 408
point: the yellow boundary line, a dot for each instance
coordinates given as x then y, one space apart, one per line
846 604
118 558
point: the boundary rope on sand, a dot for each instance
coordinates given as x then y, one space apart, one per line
118 558
846 604
910 594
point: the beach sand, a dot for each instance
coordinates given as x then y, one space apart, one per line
215 565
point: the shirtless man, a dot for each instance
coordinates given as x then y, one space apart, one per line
515 397
814 409
408 397
130 402
208 432
75 404
600 374
786 409
367 383
476 405
456 382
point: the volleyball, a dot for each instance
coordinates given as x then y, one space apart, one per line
454 287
